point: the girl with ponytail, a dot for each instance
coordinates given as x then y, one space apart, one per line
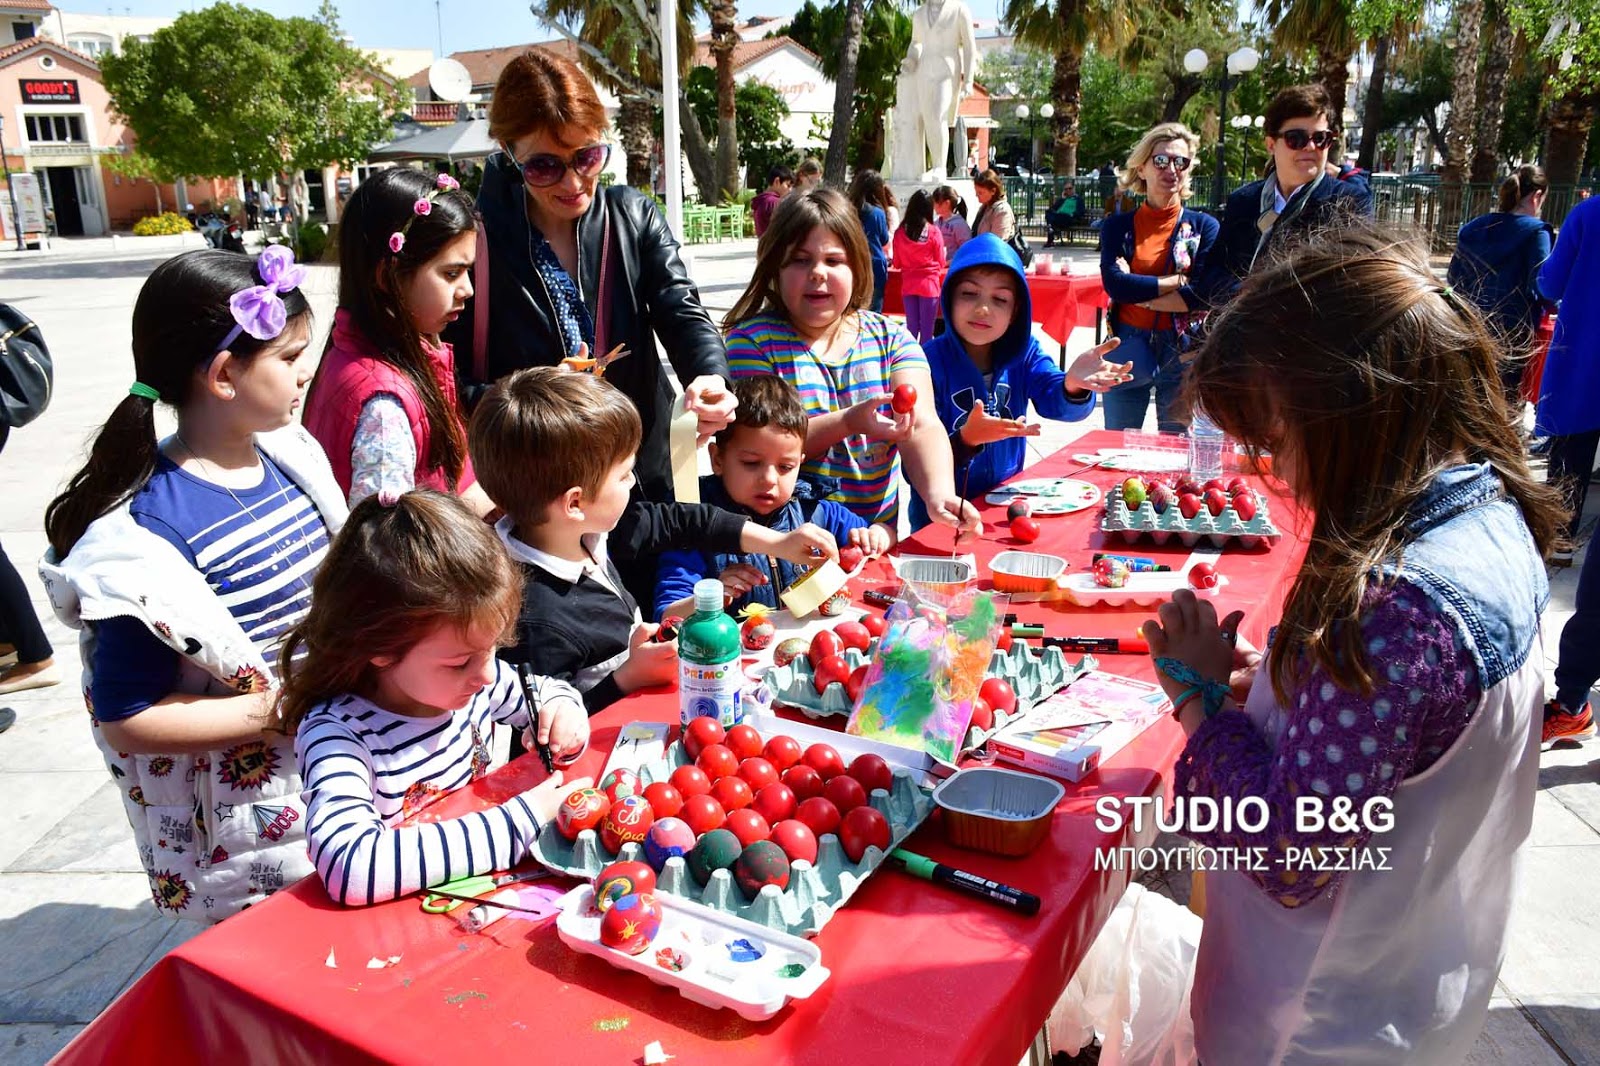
184 562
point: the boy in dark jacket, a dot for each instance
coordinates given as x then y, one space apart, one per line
556 452
756 461
987 368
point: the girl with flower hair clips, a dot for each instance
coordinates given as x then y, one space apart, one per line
384 404
185 562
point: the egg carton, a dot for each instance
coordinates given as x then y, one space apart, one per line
1035 676
815 890
1222 530
792 686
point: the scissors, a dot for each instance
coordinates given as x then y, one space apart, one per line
452 894
598 366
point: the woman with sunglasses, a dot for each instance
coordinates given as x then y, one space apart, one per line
575 268
1298 194
1147 257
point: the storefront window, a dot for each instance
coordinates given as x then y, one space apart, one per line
54 129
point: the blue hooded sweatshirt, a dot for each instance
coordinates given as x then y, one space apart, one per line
1023 374
1496 266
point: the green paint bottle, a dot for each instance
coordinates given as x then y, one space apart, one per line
710 681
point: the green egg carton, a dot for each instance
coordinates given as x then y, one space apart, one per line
1035 676
815 890
791 686
1223 530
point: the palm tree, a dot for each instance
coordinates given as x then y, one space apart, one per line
1324 27
724 38
844 94
1463 91
1492 108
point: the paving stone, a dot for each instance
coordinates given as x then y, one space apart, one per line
94 837
1553 933
24 1044
1572 1022
33 804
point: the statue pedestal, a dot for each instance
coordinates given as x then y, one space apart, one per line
963 186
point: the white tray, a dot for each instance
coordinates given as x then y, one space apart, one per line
788 968
1142 590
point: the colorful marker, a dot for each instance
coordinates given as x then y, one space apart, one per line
925 868
1099 645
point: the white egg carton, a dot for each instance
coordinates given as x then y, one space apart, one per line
1142 590
704 954
1222 530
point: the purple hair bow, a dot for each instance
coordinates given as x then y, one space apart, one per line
259 310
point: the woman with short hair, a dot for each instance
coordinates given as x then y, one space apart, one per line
994 213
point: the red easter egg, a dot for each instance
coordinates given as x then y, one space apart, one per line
875 625
803 780
1025 529
1214 483
845 793
631 923
703 814
796 839
1244 505
823 645
855 682
872 771
690 781
748 826
982 714
717 760
999 694
1216 501
732 792
1238 484
583 808
664 800
1189 504
775 803
758 773
820 815
620 879
850 557
862 827
782 752
829 671
629 820
701 733
1186 483
1203 576
743 741
824 759
905 400
1004 641
853 635
621 783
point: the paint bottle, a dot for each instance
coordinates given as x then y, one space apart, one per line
710 682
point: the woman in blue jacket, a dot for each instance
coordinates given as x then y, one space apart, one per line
987 368
1147 257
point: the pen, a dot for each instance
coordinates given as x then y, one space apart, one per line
1100 645
925 868
533 718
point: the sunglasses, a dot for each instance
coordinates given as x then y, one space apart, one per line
544 170
1178 163
1298 139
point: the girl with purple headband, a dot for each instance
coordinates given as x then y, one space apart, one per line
184 562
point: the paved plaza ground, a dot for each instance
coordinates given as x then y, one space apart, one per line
76 922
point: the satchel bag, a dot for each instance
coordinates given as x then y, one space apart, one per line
26 373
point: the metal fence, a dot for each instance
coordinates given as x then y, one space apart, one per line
1420 205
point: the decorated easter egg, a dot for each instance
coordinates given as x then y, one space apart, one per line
716 850
835 605
622 879
621 783
862 827
757 630
629 820
1110 573
796 839
1203 576
788 649
631 923
760 864
1133 492
666 838
584 808
1021 508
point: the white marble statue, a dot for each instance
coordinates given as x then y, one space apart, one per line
934 78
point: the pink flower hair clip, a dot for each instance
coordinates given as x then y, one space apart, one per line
442 183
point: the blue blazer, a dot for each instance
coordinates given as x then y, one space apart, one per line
1116 240
1236 241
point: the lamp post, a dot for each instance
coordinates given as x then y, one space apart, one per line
16 206
1239 63
1024 114
1244 123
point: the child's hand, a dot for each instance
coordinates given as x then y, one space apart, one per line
649 663
808 545
564 726
983 428
874 540
1189 632
868 419
545 797
1091 372
740 578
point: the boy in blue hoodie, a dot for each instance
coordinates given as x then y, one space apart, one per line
987 368
756 474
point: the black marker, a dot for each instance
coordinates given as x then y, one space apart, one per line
881 599
925 868
543 749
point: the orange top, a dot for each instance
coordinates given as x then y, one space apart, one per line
1152 254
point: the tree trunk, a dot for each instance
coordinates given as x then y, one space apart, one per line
1492 109
1184 89
844 94
696 150
636 127
1372 119
1463 91
1567 125
1066 93
1333 71
1435 138
724 19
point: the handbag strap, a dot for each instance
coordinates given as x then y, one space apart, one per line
602 286
480 309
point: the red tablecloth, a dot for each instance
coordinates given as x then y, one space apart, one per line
1061 302
919 974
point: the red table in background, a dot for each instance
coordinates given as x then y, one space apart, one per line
919 974
1061 302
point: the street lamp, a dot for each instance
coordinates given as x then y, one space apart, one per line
1025 114
1243 123
1239 63
16 205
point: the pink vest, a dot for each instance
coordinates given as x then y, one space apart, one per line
352 372
920 262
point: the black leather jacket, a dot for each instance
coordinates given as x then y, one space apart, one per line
650 295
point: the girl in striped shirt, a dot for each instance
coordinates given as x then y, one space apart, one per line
392 691
804 317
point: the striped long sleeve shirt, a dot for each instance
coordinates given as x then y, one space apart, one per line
367 769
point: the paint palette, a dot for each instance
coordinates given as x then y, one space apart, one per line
1143 460
713 958
1048 495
